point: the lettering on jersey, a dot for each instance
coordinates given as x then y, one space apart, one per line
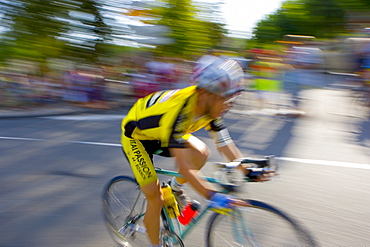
139 161
154 99
168 95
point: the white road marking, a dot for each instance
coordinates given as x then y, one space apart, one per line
97 143
298 160
19 138
328 163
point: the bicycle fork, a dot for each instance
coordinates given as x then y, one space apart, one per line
130 228
241 231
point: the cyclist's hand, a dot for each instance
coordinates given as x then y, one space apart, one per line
224 202
259 174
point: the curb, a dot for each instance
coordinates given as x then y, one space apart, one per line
34 114
59 111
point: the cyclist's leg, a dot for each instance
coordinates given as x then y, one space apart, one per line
153 210
199 155
144 172
189 162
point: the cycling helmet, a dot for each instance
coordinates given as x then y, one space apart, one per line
218 75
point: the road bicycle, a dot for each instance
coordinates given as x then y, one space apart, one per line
259 224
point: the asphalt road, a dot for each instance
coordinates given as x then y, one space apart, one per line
52 171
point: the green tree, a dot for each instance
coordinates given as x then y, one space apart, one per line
31 29
88 33
322 19
326 19
85 31
43 29
267 31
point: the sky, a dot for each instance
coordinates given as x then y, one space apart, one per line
241 16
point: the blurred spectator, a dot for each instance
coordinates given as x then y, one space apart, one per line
143 84
97 89
22 90
267 70
164 73
291 83
84 87
305 70
76 87
309 62
182 74
365 74
365 63
144 80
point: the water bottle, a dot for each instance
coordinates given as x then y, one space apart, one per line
170 202
189 212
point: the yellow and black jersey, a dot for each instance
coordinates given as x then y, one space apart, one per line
167 116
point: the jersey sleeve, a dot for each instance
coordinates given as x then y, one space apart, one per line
216 125
219 133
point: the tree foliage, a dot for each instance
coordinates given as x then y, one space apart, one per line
322 19
43 29
86 31
31 28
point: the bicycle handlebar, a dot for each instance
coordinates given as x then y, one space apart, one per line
228 169
267 162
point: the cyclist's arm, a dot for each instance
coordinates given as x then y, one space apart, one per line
221 137
183 158
227 147
230 151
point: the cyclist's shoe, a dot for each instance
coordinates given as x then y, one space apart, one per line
181 197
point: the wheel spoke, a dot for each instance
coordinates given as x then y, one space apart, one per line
124 207
261 225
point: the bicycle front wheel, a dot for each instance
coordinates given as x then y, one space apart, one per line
124 206
259 225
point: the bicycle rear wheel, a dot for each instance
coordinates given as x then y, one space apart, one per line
259 225
124 206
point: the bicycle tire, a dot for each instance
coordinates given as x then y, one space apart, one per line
124 206
259 225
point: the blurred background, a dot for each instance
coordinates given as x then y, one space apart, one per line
307 74
94 53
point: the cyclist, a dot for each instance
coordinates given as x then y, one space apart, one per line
161 123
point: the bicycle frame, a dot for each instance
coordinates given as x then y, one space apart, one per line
182 231
173 232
